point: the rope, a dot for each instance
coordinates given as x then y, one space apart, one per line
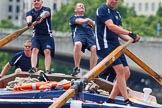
19 80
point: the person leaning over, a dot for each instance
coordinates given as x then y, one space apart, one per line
42 39
108 30
21 60
83 37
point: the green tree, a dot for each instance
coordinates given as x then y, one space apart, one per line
145 26
125 11
60 19
6 24
159 12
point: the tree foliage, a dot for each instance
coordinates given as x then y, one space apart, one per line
6 24
159 12
145 26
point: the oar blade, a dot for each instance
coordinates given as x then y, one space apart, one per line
14 35
144 66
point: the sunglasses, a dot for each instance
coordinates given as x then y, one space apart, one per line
36 0
27 46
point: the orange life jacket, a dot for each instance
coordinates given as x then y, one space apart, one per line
41 86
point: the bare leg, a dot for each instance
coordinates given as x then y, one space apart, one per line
120 84
34 57
77 53
93 57
47 61
115 88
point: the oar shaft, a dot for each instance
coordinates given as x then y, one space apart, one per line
144 66
108 60
63 98
14 35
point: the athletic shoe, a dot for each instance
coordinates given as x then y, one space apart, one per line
128 102
32 70
48 72
42 77
76 70
109 100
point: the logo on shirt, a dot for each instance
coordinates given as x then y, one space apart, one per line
116 17
48 46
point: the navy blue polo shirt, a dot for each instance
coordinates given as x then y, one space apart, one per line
43 28
20 60
80 29
104 36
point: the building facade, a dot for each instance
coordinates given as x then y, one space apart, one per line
144 7
15 10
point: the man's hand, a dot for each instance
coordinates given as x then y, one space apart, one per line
90 22
136 37
18 70
30 25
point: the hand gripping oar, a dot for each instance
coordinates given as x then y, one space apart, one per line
14 35
151 72
90 75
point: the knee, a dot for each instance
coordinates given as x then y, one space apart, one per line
127 74
35 50
93 49
47 52
78 45
120 72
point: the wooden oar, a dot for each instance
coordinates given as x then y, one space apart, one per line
91 74
150 71
14 35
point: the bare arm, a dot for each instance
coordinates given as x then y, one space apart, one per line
29 19
45 14
86 20
42 16
5 69
29 22
123 33
116 29
91 22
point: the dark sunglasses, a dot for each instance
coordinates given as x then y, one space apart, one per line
27 46
36 0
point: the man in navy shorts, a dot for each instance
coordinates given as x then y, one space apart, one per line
108 30
42 39
83 37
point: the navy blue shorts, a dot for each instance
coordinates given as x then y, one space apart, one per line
104 52
109 73
44 42
87 41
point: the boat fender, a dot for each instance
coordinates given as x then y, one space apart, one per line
76 104
147 92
